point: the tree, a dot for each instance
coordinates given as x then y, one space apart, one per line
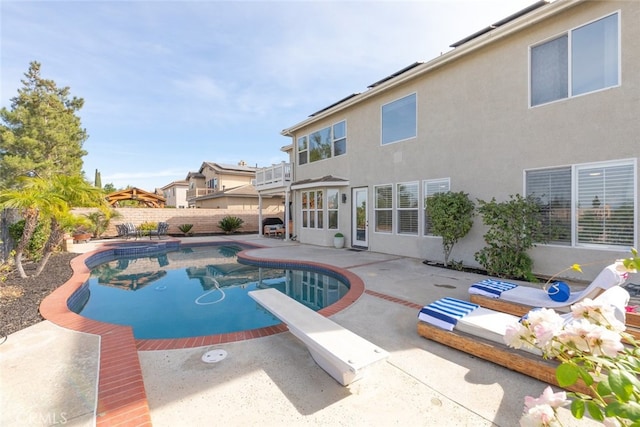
97 182
41 132
49 200
31 201
71 191
450 216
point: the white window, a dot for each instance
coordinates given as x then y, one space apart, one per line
302 150
429 188
586 205
323 144
583 60
340 138
407 202
312 209
384 208
399 119
332 208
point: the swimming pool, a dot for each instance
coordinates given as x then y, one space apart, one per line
191 291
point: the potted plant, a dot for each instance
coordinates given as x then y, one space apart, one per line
338 240
81 230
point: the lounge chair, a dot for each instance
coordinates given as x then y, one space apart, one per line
480 331
518 300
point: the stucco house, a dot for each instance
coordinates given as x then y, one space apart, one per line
176 194
223 186
545 102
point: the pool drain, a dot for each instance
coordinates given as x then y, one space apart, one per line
214 356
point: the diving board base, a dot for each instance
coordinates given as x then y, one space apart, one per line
632 320
519 361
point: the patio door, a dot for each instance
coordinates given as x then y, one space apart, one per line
359 217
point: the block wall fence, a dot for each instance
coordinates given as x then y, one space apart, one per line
205 221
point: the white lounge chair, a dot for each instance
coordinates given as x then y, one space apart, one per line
480 331
518 300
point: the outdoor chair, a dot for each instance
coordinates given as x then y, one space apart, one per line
127 230
162 229
480 332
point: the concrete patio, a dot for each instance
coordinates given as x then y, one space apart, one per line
49 374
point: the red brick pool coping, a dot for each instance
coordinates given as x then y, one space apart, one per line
122 400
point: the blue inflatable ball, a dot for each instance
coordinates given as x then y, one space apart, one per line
559 291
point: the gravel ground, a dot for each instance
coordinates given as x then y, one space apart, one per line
20 298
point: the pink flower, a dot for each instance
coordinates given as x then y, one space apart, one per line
548 397
631 308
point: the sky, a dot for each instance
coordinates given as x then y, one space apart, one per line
168 85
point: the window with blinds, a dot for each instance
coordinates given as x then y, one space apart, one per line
407 202
552 189
384 208
430 188
605 201
592 204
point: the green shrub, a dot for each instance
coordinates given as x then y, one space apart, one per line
514 227
450 216
230 224
34 249
185 228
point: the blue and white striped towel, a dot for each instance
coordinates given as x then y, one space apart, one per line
445 312
490 288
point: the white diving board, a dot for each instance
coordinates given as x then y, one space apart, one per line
341 353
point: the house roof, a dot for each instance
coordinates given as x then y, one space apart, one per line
180 183
326 181
516 22
241 168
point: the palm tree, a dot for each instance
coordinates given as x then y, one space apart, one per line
71 191
39 199
32 202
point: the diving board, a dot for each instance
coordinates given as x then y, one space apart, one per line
341 353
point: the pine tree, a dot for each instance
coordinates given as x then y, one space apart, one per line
98 180
41 132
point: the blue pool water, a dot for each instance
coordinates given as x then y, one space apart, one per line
193 291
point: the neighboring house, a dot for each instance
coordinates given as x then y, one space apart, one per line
176 194
220 186
545 102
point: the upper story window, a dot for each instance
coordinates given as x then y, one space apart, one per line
399 119
323 144
302 150
212 183
587 205
583 60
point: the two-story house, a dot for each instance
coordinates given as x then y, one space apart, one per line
176 194
222 186
545 102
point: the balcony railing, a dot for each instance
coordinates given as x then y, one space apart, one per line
274 176
198 192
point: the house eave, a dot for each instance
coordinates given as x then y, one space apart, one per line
479 41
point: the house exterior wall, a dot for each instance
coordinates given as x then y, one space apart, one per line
176 196
475 127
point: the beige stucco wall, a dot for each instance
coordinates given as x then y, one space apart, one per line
475 127
205 221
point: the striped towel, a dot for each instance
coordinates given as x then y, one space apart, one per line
491 288
445 312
